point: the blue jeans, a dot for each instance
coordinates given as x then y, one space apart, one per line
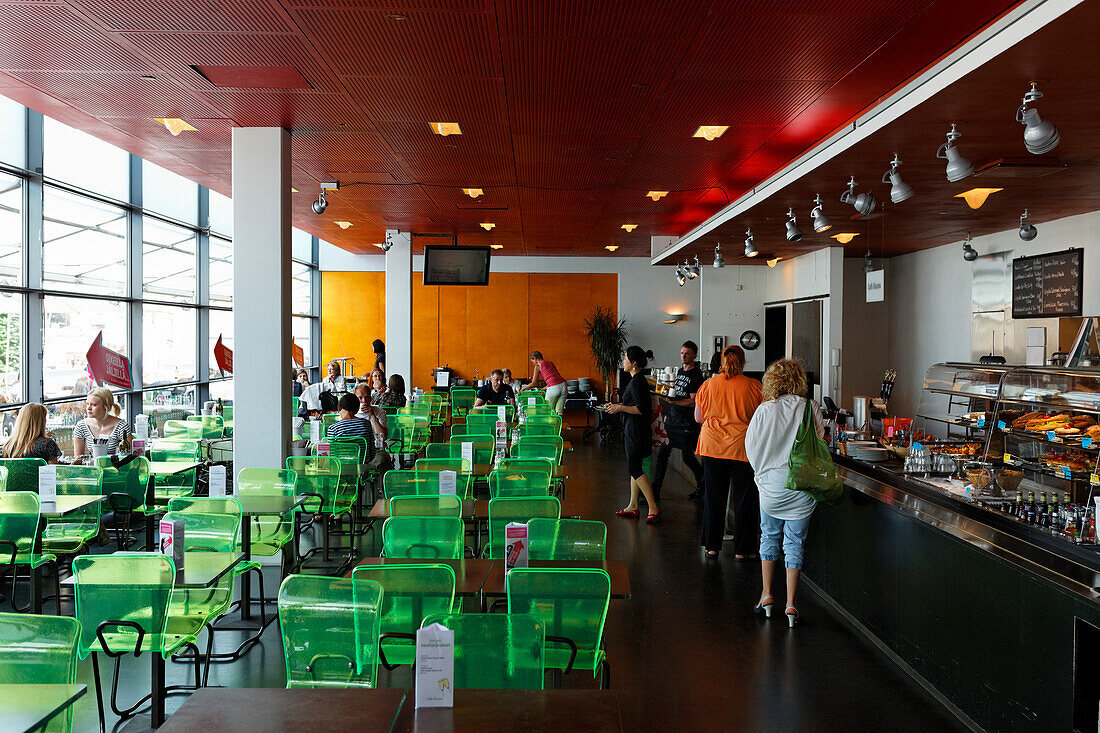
792 534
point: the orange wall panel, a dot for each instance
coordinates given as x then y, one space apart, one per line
496 334
558 305
353 314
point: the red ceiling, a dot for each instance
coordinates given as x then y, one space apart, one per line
570 110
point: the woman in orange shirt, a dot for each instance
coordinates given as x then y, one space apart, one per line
724 405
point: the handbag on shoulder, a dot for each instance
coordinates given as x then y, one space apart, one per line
810 467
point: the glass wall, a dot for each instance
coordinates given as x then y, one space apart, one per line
127 253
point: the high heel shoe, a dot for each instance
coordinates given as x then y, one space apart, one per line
627 513
792 616
652 518
764 609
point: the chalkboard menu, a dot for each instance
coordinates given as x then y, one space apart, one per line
1047 286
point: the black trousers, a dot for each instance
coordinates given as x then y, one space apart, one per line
685 442
721 475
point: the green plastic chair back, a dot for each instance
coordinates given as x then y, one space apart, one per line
566 539
408 433
443 464
323 477
125 485
328 419
495 651
509 412
426 506
213 426
421 483
270 533
183 429
505 510
572 604
330 631
22 473
544 418
531 448
510 482
542 465
484 447
417 409
209 525
424 538
39 650
352 454
70 533
127 586
176 451
539 430
19 518
435 405
409 593
462 400
460 429
485 419
437 450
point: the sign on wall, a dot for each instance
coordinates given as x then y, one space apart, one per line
876 286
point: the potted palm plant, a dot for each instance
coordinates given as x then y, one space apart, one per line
606 337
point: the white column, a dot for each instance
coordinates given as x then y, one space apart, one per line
261 296
399 276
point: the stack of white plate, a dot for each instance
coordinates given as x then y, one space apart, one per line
866 450
584 384
571 385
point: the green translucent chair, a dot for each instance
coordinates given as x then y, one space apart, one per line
330 631
213 426
227 418
509 412
504 482
321 480
407 433
460 429
417 409
409 593
484 447
539 430
458 465
485 419
327 420
531 448
270 533
19 522
436 408
122 604
403 482
176 451
541 408
183 430
541 465
125 482
423 538
572 604
22 473
505 510
566 539
426 506
39 650
294 406
437 450
352 453
462 400
495 651
69 534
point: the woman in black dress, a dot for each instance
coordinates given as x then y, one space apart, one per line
635 408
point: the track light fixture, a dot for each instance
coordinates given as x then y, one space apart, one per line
821 222
692 270
868 265
387 243
863 203
969 253
1040 136
681 278
958 167
1028 231
750 248
794 234
321 203
718 261
899 189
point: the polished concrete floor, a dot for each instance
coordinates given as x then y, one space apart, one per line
687 653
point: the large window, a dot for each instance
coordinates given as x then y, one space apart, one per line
83 244
87 162
221 271
166 193
168 344
11 230
69 327
11 347
167 261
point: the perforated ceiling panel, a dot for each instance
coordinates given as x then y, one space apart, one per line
570 110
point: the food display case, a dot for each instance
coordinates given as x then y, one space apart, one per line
954 398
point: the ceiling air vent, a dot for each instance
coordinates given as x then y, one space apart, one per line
1019 168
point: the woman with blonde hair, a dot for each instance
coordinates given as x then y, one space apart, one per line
724 405
784 514
28 437
102 425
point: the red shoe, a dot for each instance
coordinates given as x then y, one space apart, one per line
652 518
628 514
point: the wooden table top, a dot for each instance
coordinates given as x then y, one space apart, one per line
68 503
381 509
545 711
24 708
470 573
275 709
620 576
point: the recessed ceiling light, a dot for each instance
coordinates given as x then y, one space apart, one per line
293 190
446 128
656 195
473 192
611 247
174 125
774 261
845 237
497 246
487 225
343 224
710 132
148 77
396 17
630 227
975 197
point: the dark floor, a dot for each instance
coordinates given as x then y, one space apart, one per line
687 653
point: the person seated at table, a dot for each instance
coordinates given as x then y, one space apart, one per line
394 396
301 381
367 411
496 392
28 437
513 383
351 426
102 425
377 385
333 382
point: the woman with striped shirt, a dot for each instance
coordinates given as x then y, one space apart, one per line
102 425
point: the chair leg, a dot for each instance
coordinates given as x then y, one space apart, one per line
57 585
209 649
98 692
605 675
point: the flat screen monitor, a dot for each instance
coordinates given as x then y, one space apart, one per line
456 265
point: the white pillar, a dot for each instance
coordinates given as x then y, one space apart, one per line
261 296
399 276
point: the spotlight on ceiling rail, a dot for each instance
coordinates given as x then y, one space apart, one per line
1028 231
321 203
969 253
1040 136
868 265
718 261
821 222
958 167
794 234
899 189
750 248
681 278
692 270
863 203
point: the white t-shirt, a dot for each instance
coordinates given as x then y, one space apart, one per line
768 443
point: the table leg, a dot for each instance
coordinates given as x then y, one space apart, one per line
149 494
156 711
246 579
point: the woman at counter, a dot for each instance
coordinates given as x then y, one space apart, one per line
102 426
784 514
28 437
635 407
724 405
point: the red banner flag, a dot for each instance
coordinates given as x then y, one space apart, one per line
297 353
223 355
108 366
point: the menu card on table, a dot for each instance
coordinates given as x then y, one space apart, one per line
435 666
448 483
217 480
47 483
468 453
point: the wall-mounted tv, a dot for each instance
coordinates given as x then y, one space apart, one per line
456 265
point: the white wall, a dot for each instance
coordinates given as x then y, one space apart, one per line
732 302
